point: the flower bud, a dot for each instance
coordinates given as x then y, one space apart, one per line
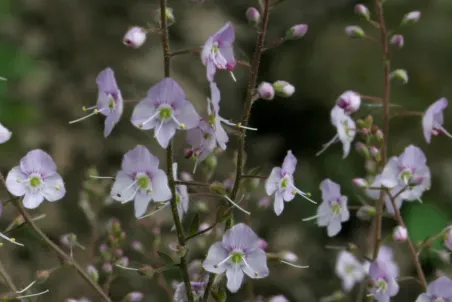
211 161
185 176
218 188
283 89
444 256
124 261
263 244
362 149
114 227
379 135
42 276
147 271
400 74
68 240
134 297
296 32
137 246
362 10
264 202
354 31
119 253
107 268
411 18
397 41
170 19
350 101
360 183
375 153
135 37
371 166
266 91
279 298
92 273
366 212
400 234
253 16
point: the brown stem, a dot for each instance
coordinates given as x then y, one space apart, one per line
184 51
7 278
169 159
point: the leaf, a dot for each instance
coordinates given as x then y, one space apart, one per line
194 225
166 258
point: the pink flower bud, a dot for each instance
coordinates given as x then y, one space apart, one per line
354 31
137 246
283 89
398 41
253 16
400 234
411 17
374 151
266 91
135 37
264 202
296 32
362 149
92 272
379 135
360 183
362 10
107 268
124 261
263 244
350 101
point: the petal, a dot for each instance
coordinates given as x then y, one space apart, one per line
187 115
289 164
112 119
106 81
324 214
215 255
330 190
215 95
167 90
423 298
141 114
393 287
241 236
346 130
206 51
412 157
33 200
278 204
14 187
388 204
54 188
123 189
348 282
334 227
441 287
140 203
165 134
345 214
220 134
139 159
228 54
271 184
390 174
211 70
235 278
433 116
257 261
225 34
38 161
288 194
160 187
5 134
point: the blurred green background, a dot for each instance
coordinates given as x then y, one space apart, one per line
52 50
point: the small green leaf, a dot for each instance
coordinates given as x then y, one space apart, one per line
166 258
194 225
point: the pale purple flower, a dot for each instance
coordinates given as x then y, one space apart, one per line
383 284
408 172
180 294
140 180
135 37
349 269
398 41
218 52
439 290
165 109
5 134
202 140
346 130
433 120
400 233
182 197
280 183
386 255
36 178
375 194
215 119
109 100
333 210
236 254
349 101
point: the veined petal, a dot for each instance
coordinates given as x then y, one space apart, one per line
289 164
142 113
257 261
271 184
228 54
216 254
33 200
240 236
220 134
210 70
13 185
278 204
234 275
412 157
324 214
54 187
106 80
423 298
389 176
330 190
123 189
334 227
215 95
160 187
38 161
187 115
165 134
139 159
225 34
141 202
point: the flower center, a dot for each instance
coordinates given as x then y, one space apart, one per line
165 113
111 102
406 176
349 268
348 130
178 198
284 183
143 182
237 257
35 181
381 285
215 48
212 119
335 207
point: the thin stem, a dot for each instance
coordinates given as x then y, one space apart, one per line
201 232
184 51
208 287
169 159
7 278
254 176
413 254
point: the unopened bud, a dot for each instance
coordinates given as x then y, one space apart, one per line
68 240
124 261
400 234
147 271
135 37
42 276
170 19
411 18
370 165
362 10
362 149
107 268
283 89
360 183
92 273
202 207
119 253
351 247
218 188
264 202
211 161
114 227
137 246
366 212
398 41
252 184
379 135
375 153
266 91
350 101
354 31
400 74
134 297
296 32
253 16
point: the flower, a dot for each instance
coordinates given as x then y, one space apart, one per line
375 194
109 101
36 178
180 294
140 180
349 101
281 183
346 130
202 140
215 119
349 269
437 291
398 41
383 284
135 37
279 298
408 173
386 256
237 253
253 16
433 120
217 52
165 109
182 197
400 233
333 210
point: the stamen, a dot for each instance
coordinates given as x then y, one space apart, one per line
130 186
181 125
233 76
310 218
238 125
328 144
247 265
26 288
86 116
149 119
223 261
33 295
294 265
236 205
445 131
12 240
127 268
152 213
158 129
303 194
89 108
